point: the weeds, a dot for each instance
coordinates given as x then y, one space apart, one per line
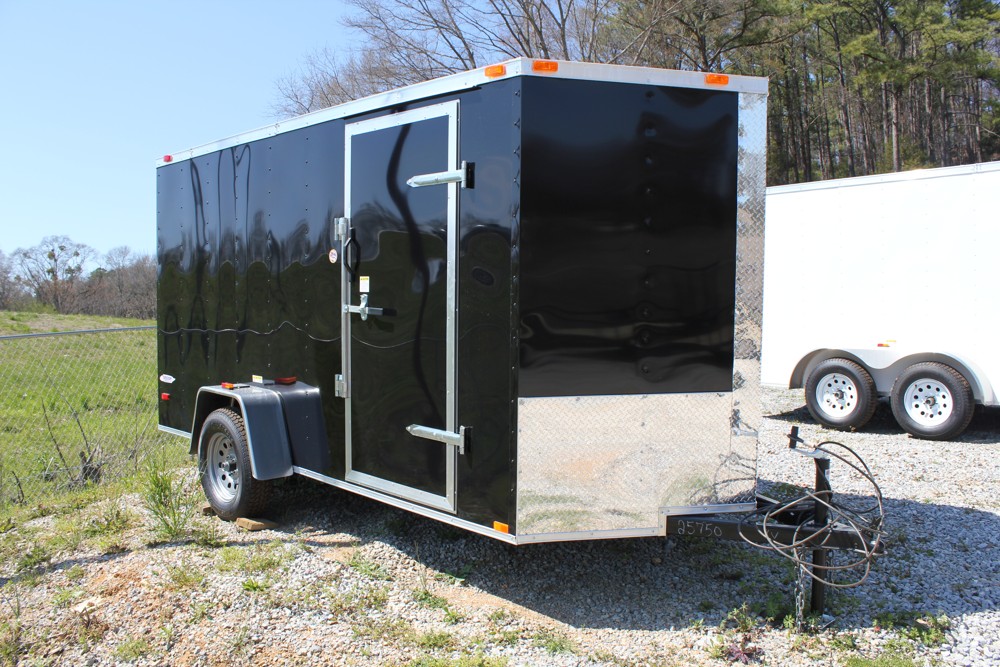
167 502
478 660
251 560
131 650
252 585
428 599
554 642
435 640
34 558
13 643
927 629
368 568
184 577
382 629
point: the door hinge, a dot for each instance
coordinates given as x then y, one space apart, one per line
340 228
340 387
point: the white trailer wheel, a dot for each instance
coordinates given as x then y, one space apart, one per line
836 395
928 402
932 401
840 394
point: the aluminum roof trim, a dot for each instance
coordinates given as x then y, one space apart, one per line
471 79
892 177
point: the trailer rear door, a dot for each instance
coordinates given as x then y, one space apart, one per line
399 293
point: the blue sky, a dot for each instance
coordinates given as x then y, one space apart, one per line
93 92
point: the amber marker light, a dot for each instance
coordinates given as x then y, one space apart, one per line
493 71
545 66
717 79
501 527
227 385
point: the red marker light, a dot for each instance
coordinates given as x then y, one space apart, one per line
164 396
168 158
287 380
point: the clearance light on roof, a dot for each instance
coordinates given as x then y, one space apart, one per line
227 385
545 66
493 71
288 380
168 158
717 79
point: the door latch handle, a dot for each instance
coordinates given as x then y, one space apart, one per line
364 310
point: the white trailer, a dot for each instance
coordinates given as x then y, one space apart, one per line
885 286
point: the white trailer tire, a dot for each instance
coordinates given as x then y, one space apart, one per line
841 394
932 401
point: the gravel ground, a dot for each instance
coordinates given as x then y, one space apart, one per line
347 581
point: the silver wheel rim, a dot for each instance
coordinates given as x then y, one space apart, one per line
836 395
928 402
222 467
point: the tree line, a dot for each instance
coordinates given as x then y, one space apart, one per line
67 277
856 86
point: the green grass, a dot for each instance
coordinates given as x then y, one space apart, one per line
131 650
554 642
63 397
428 599
368 568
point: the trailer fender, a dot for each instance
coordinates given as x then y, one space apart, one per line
263 415
885 365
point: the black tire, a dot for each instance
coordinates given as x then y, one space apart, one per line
932 401
841 394
224 462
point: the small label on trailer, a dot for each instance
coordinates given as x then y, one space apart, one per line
333 255
364 285
169 379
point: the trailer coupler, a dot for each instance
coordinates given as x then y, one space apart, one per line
811 523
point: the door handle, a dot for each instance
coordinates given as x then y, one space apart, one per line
364 310
349 245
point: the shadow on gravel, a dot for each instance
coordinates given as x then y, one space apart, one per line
940 559
984 427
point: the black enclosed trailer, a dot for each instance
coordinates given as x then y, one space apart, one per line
524 300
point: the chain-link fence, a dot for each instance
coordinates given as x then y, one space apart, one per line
76 409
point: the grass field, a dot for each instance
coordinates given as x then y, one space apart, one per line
75 410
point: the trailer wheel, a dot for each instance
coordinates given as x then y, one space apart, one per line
841 394
932 401
224 463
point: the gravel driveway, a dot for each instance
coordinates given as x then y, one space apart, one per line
347 581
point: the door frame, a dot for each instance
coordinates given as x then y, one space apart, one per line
447 502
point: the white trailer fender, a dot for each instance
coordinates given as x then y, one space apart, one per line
886 363
263 415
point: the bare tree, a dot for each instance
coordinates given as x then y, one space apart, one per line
123 286
327 81
52 270
12 294
415 40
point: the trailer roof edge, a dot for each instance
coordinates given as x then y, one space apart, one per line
477 77
891 177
